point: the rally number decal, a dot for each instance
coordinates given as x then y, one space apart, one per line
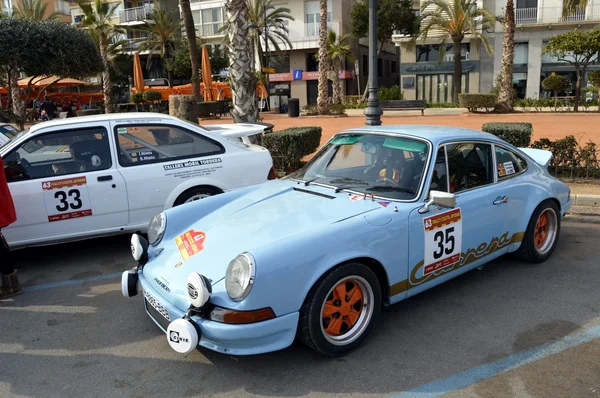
67 198
443 239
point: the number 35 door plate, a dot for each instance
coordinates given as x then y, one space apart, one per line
443 240
67 198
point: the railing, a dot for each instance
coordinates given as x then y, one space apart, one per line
545 15
136 14
580 163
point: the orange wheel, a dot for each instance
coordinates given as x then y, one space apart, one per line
342 308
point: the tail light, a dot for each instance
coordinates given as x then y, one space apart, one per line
272 175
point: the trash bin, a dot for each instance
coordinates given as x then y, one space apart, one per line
293 107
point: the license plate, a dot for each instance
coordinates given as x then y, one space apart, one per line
156 310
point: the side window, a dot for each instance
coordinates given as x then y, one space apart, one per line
144 144
439 180
508 163
469 165
59 153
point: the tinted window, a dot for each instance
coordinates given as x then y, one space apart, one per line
59 153
470 165
156 143
439 180
508 163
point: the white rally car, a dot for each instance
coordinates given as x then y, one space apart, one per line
91 176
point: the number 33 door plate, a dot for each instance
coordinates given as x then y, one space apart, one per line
67 198
443 240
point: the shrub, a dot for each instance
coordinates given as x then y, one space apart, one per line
555 83
309 110
151 96
476 101
136 98
288 146
441 105
361 105
337 109
517 134
391 93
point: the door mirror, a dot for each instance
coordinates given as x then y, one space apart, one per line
441 199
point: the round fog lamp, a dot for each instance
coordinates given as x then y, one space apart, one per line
199 289
129 281
139 248
182 336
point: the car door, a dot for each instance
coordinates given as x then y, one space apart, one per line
65 185
447 242
156 158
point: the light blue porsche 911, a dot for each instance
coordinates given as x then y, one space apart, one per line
378 215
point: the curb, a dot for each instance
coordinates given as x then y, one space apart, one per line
580 218
585 200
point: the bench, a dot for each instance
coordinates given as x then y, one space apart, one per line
403 105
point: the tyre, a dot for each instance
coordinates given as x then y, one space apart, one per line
340 310
542 233
196 193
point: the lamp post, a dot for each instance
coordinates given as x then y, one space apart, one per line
373 111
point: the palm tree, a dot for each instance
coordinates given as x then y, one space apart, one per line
242 77
338 52
163 31
454 20
190 33
34 10
97 19
572 6
323 60
505 102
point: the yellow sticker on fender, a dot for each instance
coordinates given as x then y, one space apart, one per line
443 240
190 243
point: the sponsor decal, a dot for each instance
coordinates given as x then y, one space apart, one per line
443 239
122 130
66 199
175 337
190 243
384 204
179 264
191 163
357 197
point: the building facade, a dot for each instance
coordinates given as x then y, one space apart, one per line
62 8
425 76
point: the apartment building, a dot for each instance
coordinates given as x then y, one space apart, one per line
423 76
296 70
61 7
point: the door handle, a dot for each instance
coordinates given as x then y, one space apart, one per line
104 178
502 199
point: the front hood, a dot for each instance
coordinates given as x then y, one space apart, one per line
261 217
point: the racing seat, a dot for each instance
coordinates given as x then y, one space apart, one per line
93 154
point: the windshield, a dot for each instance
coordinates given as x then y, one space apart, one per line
380 165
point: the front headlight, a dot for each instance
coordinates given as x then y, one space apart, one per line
240 276
156 229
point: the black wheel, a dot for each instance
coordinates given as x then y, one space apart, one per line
542 233
340 310
196 193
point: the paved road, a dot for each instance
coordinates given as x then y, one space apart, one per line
68 338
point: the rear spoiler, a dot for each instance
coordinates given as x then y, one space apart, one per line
240 130
541 156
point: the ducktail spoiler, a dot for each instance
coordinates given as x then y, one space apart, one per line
540 156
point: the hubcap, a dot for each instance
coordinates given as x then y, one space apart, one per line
197 197
545 231
347 310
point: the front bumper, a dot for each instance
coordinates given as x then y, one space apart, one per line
248 339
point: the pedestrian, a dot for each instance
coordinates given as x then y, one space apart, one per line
10 283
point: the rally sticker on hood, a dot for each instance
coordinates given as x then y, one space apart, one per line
190 243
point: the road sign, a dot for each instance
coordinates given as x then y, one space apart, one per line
268 70
297 74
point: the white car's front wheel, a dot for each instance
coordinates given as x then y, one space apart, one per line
340 310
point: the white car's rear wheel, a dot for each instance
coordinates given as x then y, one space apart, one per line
340 310
196 193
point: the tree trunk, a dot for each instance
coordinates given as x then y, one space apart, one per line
336 85
505 96
580 73
322 107
106 80
190 32
243 80
184 107
457 84
168 55
17 103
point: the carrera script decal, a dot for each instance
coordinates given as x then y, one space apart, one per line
190 243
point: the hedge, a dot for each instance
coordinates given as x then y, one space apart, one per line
476 101
515 133
288 146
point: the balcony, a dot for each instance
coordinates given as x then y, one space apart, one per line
136 15
553 15
308 36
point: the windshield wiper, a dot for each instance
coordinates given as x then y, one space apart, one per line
390 188
348 180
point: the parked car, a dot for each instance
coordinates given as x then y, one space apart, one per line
7 133
97 175
378 215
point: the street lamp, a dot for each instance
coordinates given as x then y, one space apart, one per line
373 111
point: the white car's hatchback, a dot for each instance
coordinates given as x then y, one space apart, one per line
91 176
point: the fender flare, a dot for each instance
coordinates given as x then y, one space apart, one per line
194 182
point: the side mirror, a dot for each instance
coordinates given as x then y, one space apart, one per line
441 199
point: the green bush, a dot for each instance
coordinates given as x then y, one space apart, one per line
391 93
309 110
441 105
151 96
361 105
136 98
476 101
337 109
87 112
555 83
288 146
515 133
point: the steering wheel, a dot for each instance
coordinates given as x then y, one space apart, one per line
385 180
